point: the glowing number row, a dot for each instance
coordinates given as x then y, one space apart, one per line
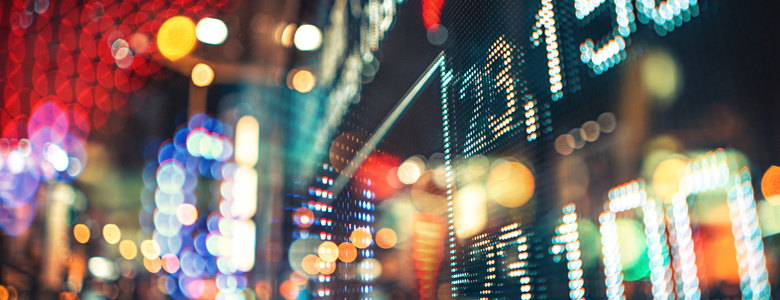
545 19
567 239
707 172
609 51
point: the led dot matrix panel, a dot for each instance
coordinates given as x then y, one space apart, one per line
517 77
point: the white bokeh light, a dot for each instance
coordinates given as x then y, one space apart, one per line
307 38
211 31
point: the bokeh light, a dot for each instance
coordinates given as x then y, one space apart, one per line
347 252
661 76
176 37
667 176
411 170
187 214
150 249
309 264
170 263
328 251
469 212
361 238
510 184
289 290
303 81
81 233
307 38
386 238
428 195
128 249
202 75
111 233
211 31
152 265
770 185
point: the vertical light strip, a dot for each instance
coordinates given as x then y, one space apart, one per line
446 78
546 19
747 234
627 196
567 239
657 251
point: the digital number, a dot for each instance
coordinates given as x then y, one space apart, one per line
705 173
545 27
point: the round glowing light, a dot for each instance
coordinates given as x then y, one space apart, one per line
437 34
102 268
111 233
152 265
202 75
170 263
369 268
328 251
287 35
411 170
347 252
187 214
770 185
510 184
150 249
289 290
361 238
3 293
127 249
303 81
661 76
386 238
667 176
307 38
427 195
211 31
299 278
607 122
57 157
309 264
176 37
81 233
590 131
325 267
303 217
564 144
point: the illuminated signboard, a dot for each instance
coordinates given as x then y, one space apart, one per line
521 72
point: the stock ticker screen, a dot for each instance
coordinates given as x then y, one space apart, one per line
561 121
589 149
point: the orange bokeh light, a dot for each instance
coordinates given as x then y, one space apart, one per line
361 238
770 185
328 251
386 238
347 252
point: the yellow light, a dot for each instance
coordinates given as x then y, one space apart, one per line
347 252
328 251
288 35
325 267
111 233
3 293
127 249
360 238
386 238
247 141
309 264
202 75
510 184
81 233
176 37
303 81
667 176
150 249
152 265
187 214
469 212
